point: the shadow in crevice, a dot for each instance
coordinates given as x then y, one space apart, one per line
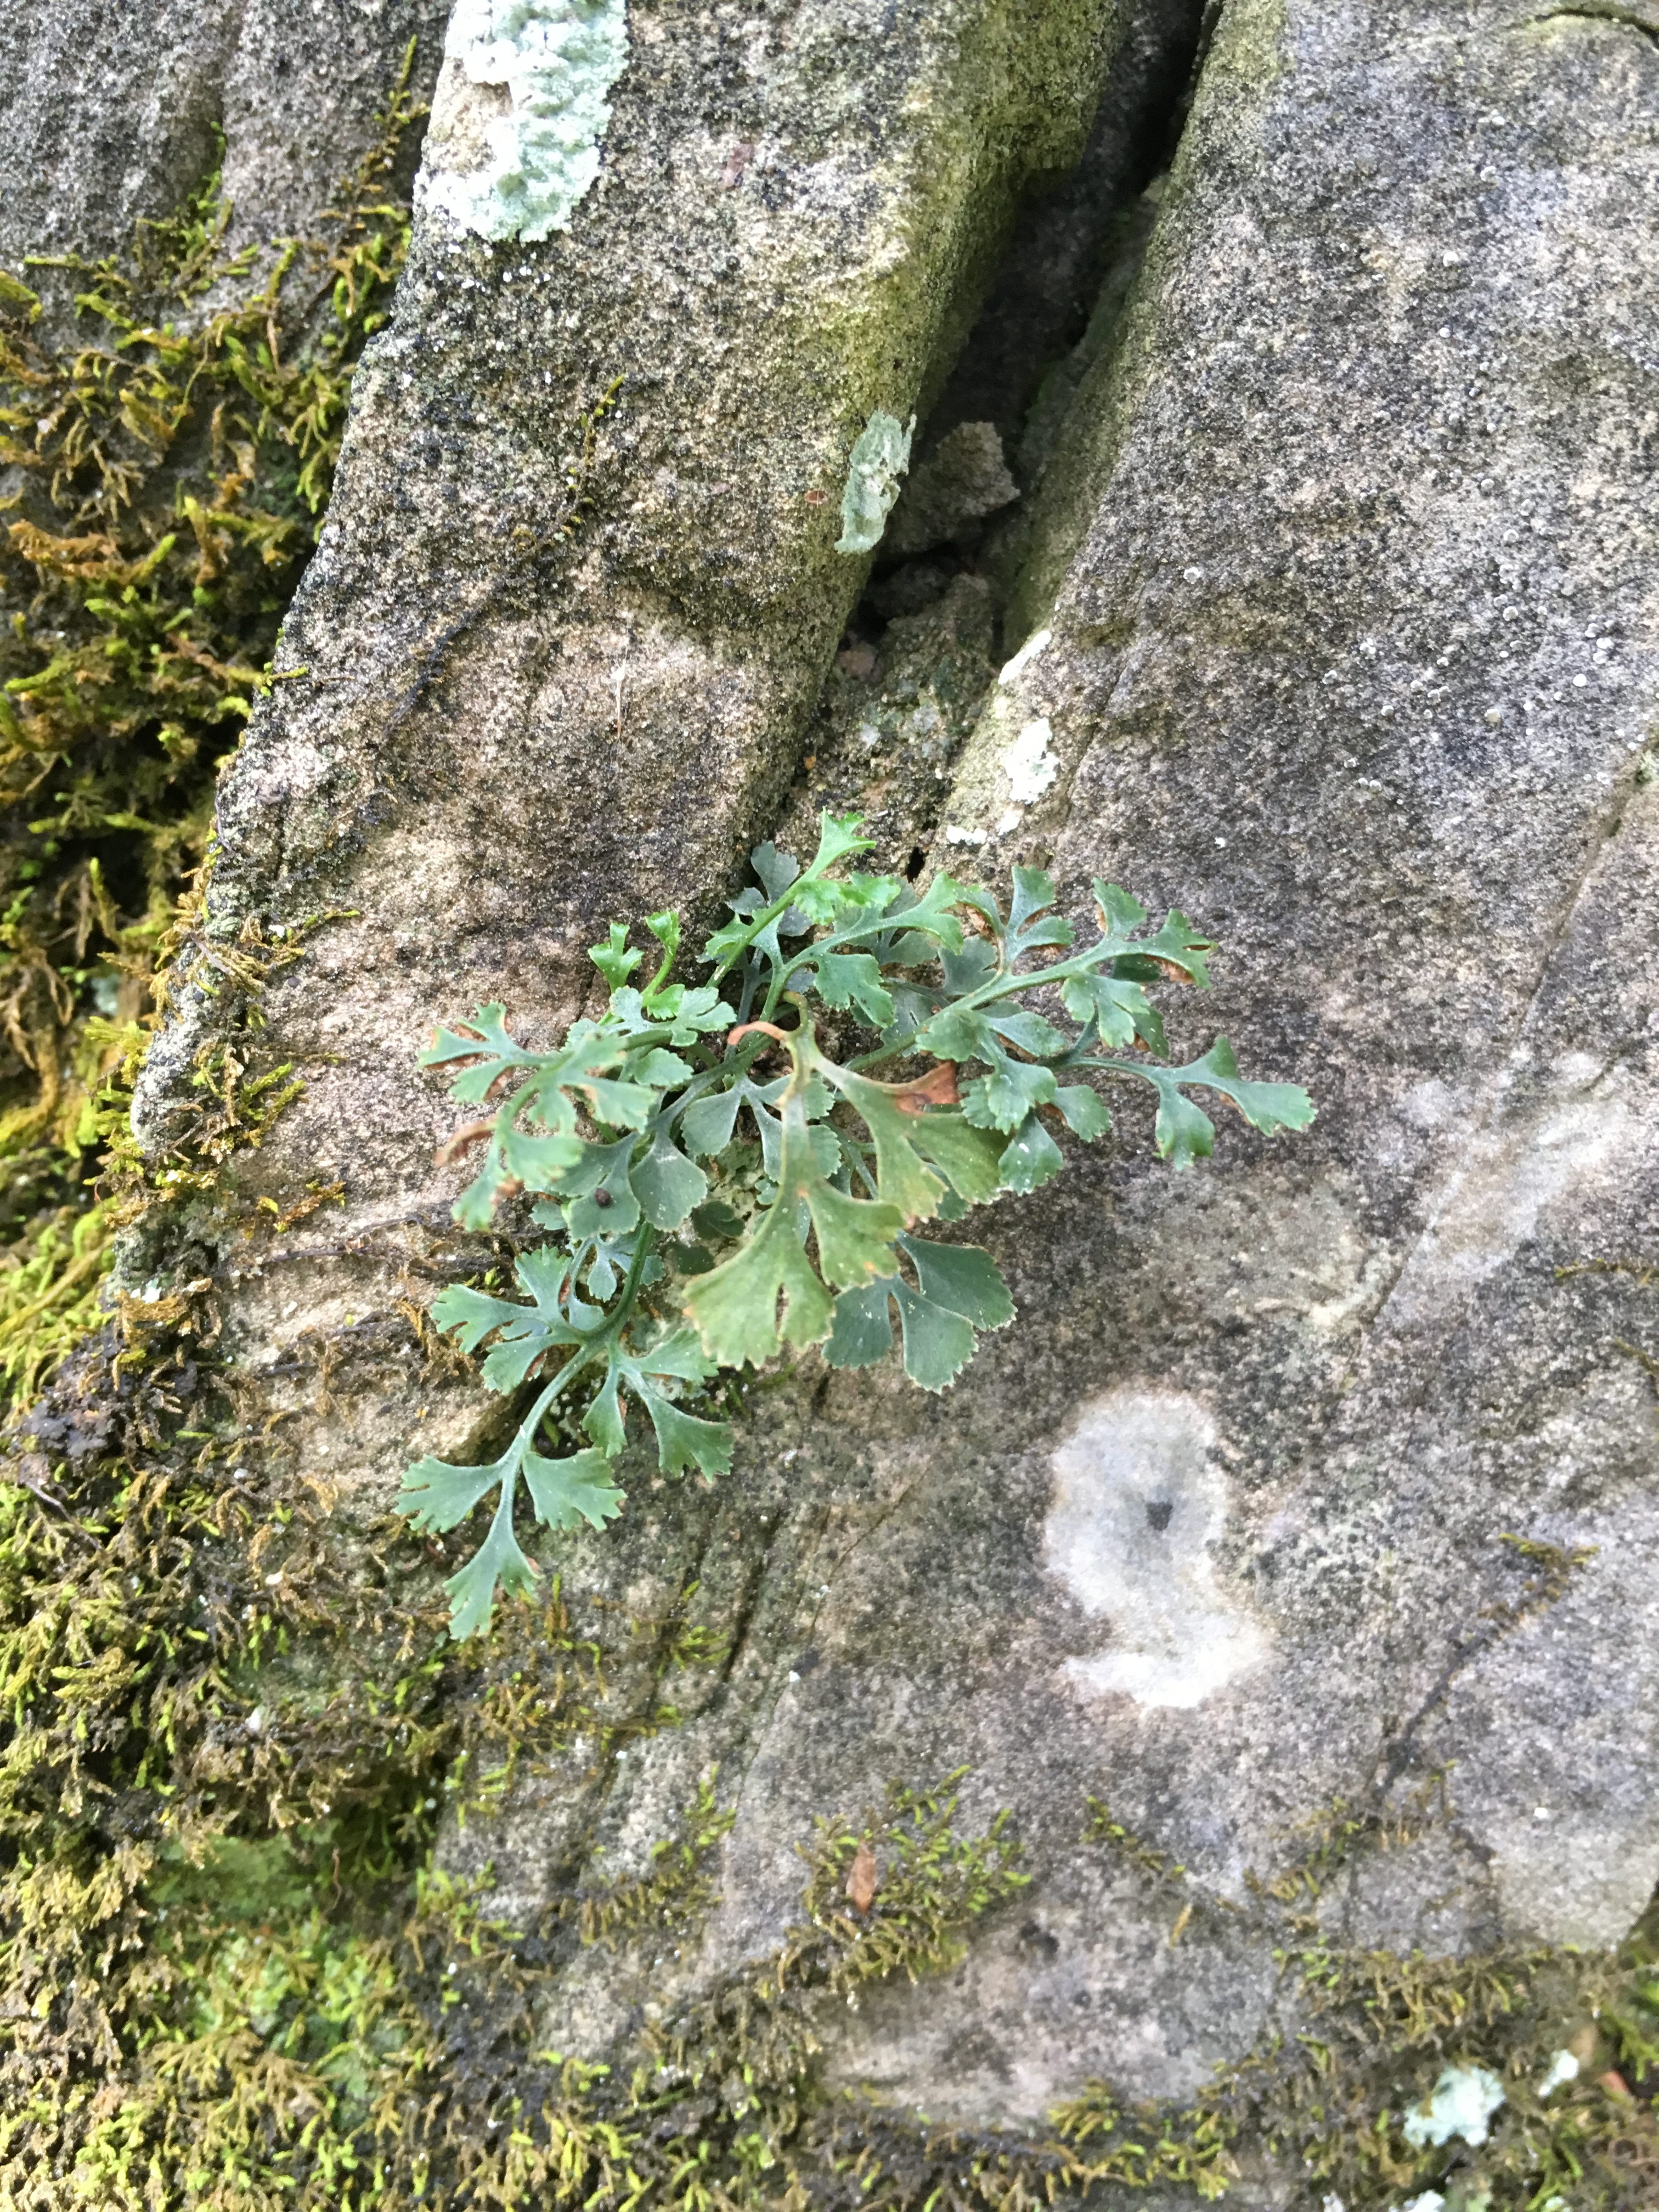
1069 237
924 642
1077 244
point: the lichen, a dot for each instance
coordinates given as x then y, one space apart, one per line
1461 2102
555 62
1034 646
1563 2068
1138 1504
1030 764
874 472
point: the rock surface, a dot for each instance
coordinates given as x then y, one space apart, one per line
576 596
110 111
1346 549
1356 661
962 480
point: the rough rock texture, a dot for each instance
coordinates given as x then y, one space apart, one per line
109 110
962 480
577 594
1345 548
1356 662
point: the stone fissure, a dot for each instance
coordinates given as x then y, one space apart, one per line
961 536
1635 13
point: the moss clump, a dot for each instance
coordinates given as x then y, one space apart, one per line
50 1282
676 1891
230 1974
172 462
1367 2034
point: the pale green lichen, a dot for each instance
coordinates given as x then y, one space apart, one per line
1030 764
1564 2067
880 457
1462 2103
557 61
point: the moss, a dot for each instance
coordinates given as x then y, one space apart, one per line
173 458
676 1891
1369 2033
50 1293
266 1993
232 1973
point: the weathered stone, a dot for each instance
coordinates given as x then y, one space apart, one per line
1342 550
574 606
962 480
518 718
110 111
1352 662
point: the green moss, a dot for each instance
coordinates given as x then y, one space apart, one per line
676 1891
231 1973
174 457
50 1286
1374 2031
245 2007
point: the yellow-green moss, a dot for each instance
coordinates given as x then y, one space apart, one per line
174 459
256 1998
1374 2031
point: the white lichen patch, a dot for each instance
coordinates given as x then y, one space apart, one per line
1564 2067
1138 1503
1461 2102
519 113
1030 764
878 462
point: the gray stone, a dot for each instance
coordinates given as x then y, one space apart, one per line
110 111
574 602
1313 672
962 480
1352 661
1343 551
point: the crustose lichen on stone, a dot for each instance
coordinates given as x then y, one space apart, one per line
522 172
880 457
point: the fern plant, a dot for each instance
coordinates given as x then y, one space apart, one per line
723 1171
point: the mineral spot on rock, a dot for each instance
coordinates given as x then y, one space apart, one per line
1138 1505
